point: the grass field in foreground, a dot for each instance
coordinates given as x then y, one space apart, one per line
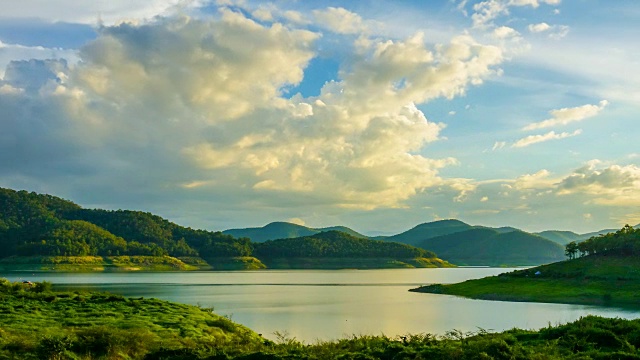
36 323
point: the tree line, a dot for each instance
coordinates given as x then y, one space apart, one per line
625 241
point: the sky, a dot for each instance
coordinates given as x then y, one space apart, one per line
377 115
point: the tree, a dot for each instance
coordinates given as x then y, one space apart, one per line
571 249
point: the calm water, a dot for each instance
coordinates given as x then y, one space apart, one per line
321 305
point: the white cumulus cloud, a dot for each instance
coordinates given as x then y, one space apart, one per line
340 20
487 11
541 27
551 135
197 106
568 115
614 185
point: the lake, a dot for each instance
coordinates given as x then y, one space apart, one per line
315 305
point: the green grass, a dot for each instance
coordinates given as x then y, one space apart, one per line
99 263
353 263
167 263
120 327
593 280
236 263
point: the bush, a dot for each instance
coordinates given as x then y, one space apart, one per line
43 286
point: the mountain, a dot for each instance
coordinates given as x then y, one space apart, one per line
285 230
560 237
597 233
429 230
485 246
565 237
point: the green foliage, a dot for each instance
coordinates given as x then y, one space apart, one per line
483 246
430 230
609 276
625 241
42 225
334 244
43 228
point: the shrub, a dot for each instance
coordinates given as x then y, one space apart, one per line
43 286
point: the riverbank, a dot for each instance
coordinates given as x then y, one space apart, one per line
355 263
607 279
168 263
101 264
37 323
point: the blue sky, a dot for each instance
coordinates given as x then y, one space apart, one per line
378 115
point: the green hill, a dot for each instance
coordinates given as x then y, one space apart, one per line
429 230
565 237
43 232
334 249
561 237
43 225
285 230
485 246
606 273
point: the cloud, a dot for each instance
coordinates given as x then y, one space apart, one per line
296 221
14 52
555 31
195 108
339 20
536 181
487 11
614 185
568 115
504 32
89 12
498 145
534 139
541 27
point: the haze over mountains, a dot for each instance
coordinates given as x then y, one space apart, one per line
453 240
285 230
413 236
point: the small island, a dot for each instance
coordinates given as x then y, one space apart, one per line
603 270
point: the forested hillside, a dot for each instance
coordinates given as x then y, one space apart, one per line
484 246
603 270
429 230
34 224
338 250
337 244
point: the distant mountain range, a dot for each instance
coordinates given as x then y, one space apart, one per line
453 240
565 237
43 225
413 236
285 230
